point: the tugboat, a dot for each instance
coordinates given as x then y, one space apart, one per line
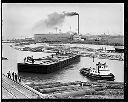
4 58
101 72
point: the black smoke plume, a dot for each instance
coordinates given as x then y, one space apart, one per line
53 20
71 13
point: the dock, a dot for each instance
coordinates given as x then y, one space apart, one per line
16 90
58 90
101 89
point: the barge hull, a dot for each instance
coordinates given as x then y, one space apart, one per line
45 69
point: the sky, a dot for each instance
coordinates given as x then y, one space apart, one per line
25 20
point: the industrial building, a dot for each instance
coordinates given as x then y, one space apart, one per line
77 38
52 37
119 49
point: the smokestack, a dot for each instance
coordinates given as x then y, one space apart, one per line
72 14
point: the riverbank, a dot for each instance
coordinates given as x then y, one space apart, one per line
82 50
81 90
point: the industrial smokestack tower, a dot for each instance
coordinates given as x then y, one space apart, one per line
72 14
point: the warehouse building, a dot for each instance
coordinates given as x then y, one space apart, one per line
119 49
52 37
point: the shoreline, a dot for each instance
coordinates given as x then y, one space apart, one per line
76 43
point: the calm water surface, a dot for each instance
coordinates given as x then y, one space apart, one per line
70 73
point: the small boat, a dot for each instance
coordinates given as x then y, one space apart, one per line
101 72
4 58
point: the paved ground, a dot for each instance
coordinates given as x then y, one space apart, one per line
15 90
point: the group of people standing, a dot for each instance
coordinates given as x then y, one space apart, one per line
14 76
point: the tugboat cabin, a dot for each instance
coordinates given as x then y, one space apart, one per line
101 69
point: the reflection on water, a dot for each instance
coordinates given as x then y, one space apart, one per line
70 73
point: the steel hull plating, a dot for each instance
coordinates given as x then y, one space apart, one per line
39 68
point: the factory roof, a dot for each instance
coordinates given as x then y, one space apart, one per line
119 47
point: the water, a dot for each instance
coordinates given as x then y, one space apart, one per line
70 73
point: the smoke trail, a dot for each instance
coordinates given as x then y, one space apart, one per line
53 20
70 13
57 19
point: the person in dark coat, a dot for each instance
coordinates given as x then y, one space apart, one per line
13 76
27 58
9 75
16 77
24 59
93 58
32 59
81 84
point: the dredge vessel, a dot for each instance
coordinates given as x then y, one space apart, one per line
49 64
101 72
